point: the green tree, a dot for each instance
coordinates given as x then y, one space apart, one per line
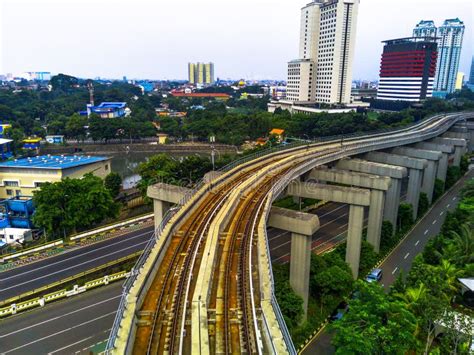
113 183
72 204
333 282
375 324
75 127
452 175
423 204
438 189
464 165
405 216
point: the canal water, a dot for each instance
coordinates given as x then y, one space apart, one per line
126 165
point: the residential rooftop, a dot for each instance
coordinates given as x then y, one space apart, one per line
57 162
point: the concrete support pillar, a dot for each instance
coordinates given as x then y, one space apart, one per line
459 145
392 201
446 150
396 173
160 208
354 238
302 227
356 198
429 177
377 185
374 226
300 266
443 167
415 168
429 174
414 188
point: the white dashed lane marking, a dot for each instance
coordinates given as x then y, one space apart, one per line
395 270
406 256
417 242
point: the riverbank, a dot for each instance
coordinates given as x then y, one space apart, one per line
124 148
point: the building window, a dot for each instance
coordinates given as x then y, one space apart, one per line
106 166
38 184
18 192
10 183
9 192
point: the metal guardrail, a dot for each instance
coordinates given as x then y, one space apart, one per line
41 301
67 279
266 152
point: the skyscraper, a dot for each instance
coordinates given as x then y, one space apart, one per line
407 69
327 40
425 29
450 36
449 53
201 73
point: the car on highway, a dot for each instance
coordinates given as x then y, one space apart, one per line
374 276
339 312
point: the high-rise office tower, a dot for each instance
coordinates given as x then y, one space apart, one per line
201 73
450 36
425 29
323 72
407 69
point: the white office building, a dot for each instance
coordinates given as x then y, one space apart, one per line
323 73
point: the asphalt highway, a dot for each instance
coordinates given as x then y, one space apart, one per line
402 257
43 272
69 326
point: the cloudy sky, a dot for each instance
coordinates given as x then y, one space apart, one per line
155 39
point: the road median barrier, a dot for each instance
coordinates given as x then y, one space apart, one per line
32 250
61 284
15 308
130 223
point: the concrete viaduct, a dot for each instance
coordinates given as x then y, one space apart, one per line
372 180
368 173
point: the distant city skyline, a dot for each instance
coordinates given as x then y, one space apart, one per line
154 40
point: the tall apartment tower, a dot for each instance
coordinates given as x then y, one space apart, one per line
449 36
201 73
449 54
425 29
407 69
323 72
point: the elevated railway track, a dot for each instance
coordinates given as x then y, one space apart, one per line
207 251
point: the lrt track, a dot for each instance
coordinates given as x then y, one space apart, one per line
238 297
166 300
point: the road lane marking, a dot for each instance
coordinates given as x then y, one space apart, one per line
333 220
406 256
426 232
70 267
441 213
454 198
395 270
61 316
447 206
68 346
277 236
332 211
76 256
60 332
434 222
417 242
